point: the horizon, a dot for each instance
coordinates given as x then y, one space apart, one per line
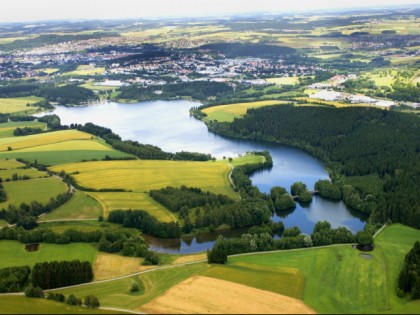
46 10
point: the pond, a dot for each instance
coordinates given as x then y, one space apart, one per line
168 125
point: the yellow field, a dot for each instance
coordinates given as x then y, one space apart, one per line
144 175
284 80
203 295
50 70
42 139
86 70
71 145
108 266
10 164
129 200
17 104
231 111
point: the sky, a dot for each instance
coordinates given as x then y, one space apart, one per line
37 10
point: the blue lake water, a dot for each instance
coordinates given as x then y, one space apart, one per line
168 125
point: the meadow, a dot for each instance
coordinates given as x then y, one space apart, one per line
226 113
14 253
85 70
62 151
283 80
18 104
6 129
91 86
131 200
24 305
144 175
80 206
41 190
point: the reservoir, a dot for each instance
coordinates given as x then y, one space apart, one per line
168 125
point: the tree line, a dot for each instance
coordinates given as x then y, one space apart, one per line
409 277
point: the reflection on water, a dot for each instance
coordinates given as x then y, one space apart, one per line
167 124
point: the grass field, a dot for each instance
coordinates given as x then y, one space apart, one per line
41 190
284 80
13 253
6 129
333 103
42 139
226 113
368 288
17 104
85 70
31 172
246 159
144 175
84 226
50 70
3 223
24 305
117 293
128 200
64 151
10 164
92 86
80 206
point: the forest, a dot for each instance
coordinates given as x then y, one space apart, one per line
365 141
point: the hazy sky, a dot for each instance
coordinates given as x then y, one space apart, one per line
33 10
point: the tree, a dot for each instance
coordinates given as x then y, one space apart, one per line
91 301
364 238
73 300
34 292
217 256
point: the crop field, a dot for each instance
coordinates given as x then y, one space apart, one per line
41 190
110 265
80 206
31 172
10 164
24 305
226 113
6 129
30 141
84 226
85 70
284 80
50 70
117 293
130 200
92 86
17 104
144 175
200 295
13 253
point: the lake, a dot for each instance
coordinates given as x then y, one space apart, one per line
168 125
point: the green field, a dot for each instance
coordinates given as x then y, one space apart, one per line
80 206
18 104
247 159
26 191
36 140
64 151
283 80
92 86
31 172
10 164
3 223
24 305
6 129
128 200
339 280
85 70
13 253
144 175
226 113
117 293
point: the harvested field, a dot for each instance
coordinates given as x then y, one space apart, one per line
203 295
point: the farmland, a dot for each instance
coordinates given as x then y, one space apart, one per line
41 190
226 113
14 253
283 80
145 175
84 70
18 104
80 206
130 200
6 129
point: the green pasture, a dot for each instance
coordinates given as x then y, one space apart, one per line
85 70
17 104
80 206
26 191
91 86
24 305
31 172
6 129
13 253
130 200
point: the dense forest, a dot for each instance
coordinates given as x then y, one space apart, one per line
353 142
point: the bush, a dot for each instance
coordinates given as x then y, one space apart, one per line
32 292
56 297
135 287
73 300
